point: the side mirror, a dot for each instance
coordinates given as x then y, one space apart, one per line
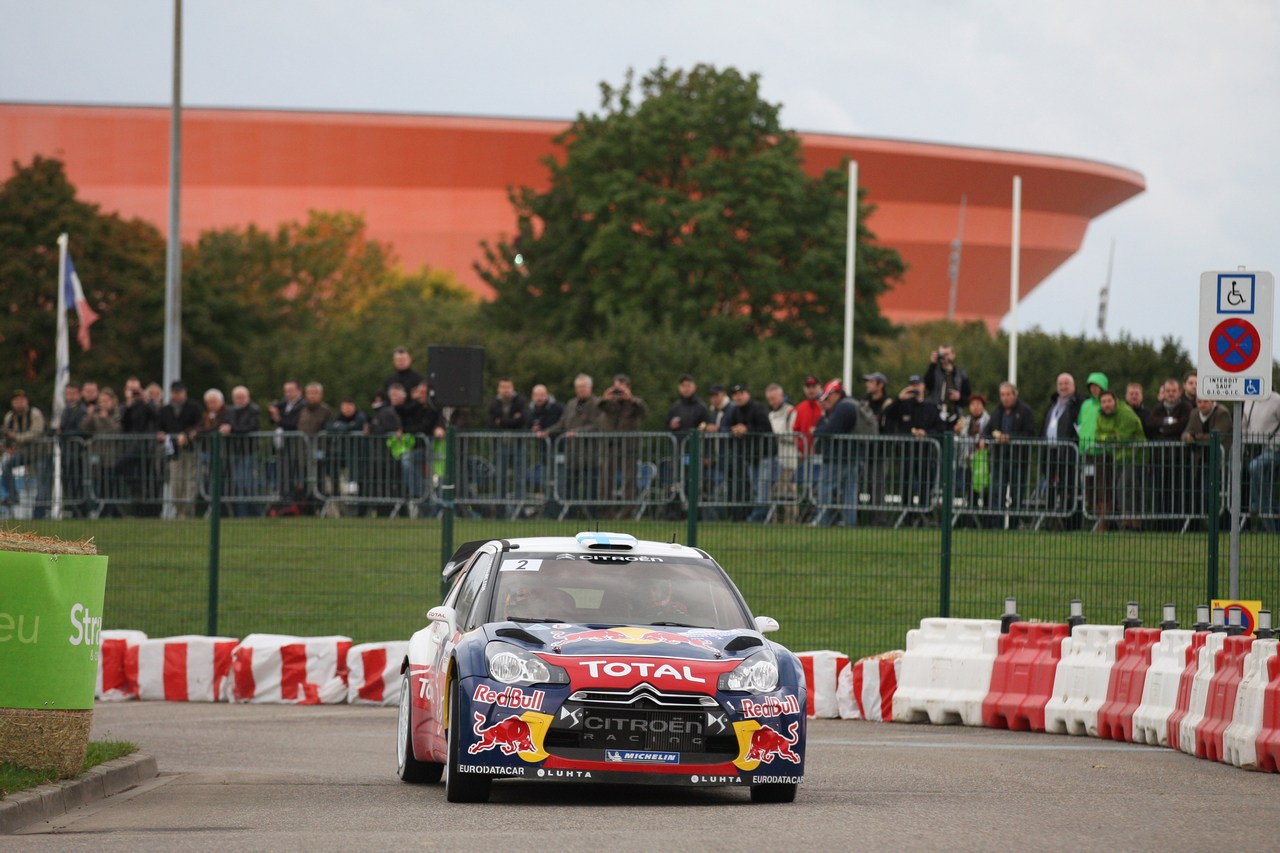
445 614
766 624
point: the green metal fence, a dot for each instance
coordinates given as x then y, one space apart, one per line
355 571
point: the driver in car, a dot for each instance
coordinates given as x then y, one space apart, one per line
660 603
531 601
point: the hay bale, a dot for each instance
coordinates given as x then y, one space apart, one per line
45 738
30 543
37 739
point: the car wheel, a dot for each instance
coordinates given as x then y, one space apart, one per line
781 792
408 768
461 787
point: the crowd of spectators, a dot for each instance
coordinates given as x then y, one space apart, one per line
756 449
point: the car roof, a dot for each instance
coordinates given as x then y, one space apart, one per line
601 542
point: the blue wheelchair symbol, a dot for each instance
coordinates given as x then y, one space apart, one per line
1253 387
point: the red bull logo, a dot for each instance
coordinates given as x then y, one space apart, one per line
512 697
767 743
595 636
674 639
511 735
771 706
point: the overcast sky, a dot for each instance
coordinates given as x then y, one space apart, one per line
1186 92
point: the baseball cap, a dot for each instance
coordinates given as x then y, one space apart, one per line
812 380
736 388
716 389
177 385
915 379
877 376
832 387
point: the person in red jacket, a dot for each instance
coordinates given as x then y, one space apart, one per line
807 414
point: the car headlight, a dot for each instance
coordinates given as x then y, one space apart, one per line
519 668
756 674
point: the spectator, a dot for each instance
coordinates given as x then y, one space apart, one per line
1260 426
715 456
216 414
176 426
315 413
509 412
1134 397
622 412
719 408
103 426
833 436
89 393
688 412
807 414
746 422
244 419
1013 420
23 427
780 479
385 471
414 421
582 464
1190 385
1166 422
285 414
877 398
877 453
945 384
545 412
1209 417
71 434
1061 422
974 463
426 424
1087 419
348 459
1115 471
138 469
912 414
155 396
404 375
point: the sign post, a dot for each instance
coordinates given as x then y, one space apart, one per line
1236 310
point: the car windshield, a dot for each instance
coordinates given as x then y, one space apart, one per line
609 589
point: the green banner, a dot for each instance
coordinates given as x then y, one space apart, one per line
50 629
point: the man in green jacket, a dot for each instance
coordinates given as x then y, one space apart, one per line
1115 426
1087 421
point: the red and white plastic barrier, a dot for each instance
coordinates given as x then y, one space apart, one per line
184 669
1080 684
1128 679
374 673
1268 743
118 665
1198 700
276 668
1160 687
866 687
946 671
1240 740
1221 705
822 674
1022 676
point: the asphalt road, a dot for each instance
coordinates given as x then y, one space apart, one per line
239 777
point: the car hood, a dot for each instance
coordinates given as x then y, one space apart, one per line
633 640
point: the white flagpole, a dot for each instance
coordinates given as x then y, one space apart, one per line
1013 280
62 374
850 257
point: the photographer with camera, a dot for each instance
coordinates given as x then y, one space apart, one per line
946 384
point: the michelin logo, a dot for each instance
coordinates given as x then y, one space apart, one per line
632 756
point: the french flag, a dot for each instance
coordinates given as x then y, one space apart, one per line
74 294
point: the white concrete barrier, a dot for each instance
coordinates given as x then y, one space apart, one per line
1160 688
1080 684
945 672
184 669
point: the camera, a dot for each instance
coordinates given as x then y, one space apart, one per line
615 392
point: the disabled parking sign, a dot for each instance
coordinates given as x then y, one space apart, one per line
1235 334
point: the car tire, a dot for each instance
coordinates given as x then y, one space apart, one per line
780 792
408 768
459 787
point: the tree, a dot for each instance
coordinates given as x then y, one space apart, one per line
687 204
120 263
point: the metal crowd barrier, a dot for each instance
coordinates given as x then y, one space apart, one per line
888 479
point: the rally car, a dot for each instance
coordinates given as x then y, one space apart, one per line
598 658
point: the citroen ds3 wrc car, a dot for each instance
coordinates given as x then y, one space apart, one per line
598 658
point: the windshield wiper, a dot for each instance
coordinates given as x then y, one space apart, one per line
532 619
677 624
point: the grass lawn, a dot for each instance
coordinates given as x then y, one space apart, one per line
856 591
14 778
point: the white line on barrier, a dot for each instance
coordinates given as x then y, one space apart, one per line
1082 747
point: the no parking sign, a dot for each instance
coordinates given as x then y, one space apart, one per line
1248 612
1235 334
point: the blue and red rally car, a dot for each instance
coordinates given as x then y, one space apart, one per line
598 658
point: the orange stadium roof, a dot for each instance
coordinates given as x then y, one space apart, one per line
435 186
